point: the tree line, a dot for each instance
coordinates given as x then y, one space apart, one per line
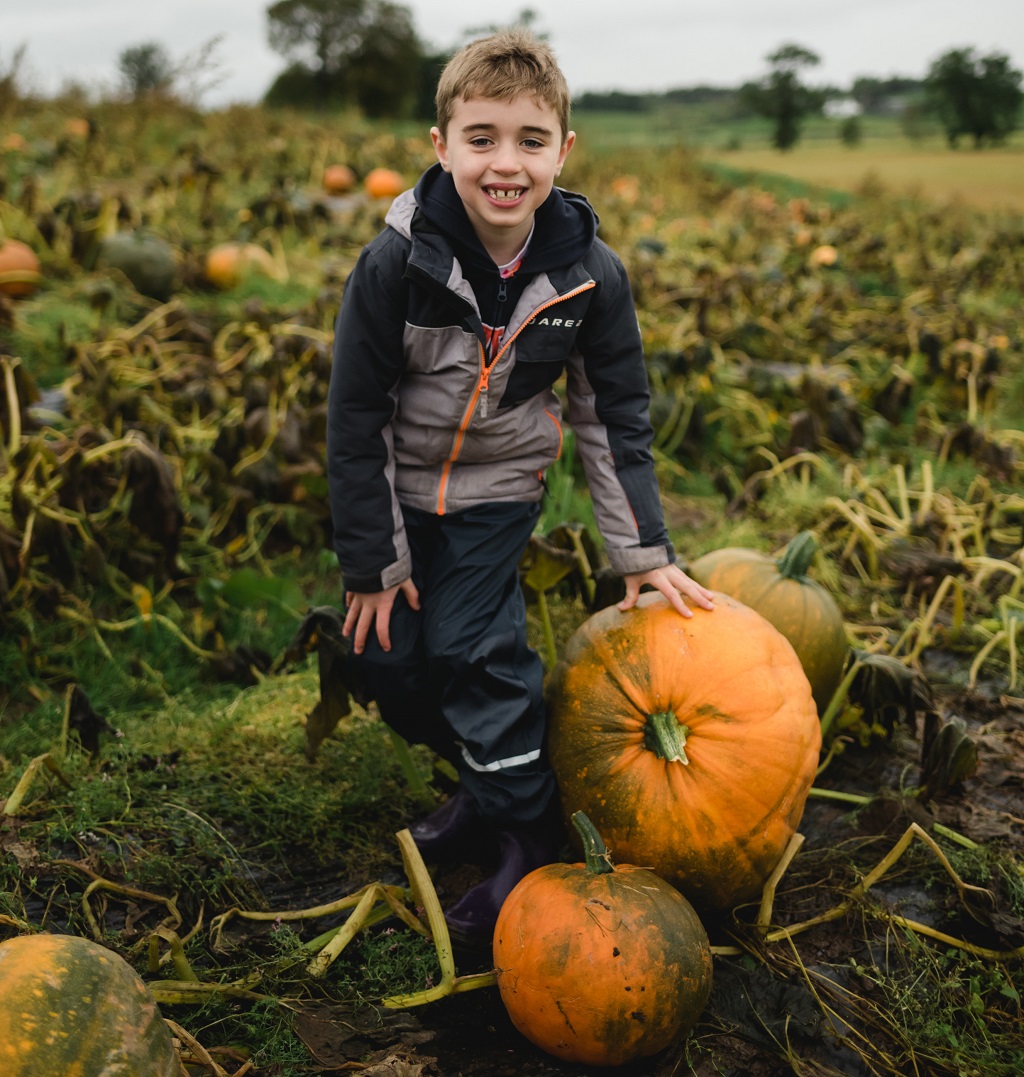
969 94
366 54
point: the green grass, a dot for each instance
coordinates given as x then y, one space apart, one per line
192 795
47 328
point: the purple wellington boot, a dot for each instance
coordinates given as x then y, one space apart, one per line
472 918
444 832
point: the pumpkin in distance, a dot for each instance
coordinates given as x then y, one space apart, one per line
383 183
71 1006
338 179
228 264
19 268
691 742
145 259
600 964
782 592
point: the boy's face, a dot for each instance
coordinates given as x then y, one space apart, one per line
504 157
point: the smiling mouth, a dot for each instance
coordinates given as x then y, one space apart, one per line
505 194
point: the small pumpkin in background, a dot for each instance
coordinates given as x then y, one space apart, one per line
69 1005
383 183
19 268
77 127
626 188
600 964
782 592
691 742
825 255
228 264
338 179
144 258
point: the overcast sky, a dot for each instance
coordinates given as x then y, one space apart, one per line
602 44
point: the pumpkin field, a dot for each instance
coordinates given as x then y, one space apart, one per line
186 779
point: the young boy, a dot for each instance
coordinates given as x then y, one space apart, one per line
486 285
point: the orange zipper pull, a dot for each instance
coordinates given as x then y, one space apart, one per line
485 377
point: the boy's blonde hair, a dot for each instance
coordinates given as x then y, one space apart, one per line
502 67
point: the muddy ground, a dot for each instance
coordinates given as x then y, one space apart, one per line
824 1003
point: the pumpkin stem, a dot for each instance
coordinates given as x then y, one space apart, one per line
664 736
797 556
598 860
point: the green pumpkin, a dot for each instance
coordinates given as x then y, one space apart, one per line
71 1006
145 259
781 591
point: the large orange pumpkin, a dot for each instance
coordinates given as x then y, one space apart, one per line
782 592
691 742
19 268
71 1006
600 964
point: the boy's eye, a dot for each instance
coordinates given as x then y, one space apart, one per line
532 143
480 141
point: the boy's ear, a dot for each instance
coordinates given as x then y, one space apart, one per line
567 145
440 147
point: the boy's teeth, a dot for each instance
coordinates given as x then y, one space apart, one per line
505 194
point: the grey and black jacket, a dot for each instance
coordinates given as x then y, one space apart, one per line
428 409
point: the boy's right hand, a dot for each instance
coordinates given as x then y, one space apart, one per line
365 610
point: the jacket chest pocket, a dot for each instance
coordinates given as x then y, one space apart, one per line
545 344
539 362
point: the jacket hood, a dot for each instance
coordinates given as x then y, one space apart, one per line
566 224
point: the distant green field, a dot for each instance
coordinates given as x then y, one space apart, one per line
924 167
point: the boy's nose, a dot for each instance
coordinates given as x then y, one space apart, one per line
506 160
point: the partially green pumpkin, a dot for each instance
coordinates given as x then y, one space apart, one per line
70 1007
782 592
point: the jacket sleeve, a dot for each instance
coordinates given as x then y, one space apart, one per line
609 412
369 535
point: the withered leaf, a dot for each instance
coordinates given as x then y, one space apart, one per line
543 565
85 722
888 690
339 681
239 665
155 509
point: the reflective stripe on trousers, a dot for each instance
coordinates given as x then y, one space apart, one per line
460 676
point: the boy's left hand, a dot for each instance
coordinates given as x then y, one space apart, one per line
673 583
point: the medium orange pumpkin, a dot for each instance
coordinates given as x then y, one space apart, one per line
19 268
228 264
782 592
691 742
600 964
71 1006
383 183
338 179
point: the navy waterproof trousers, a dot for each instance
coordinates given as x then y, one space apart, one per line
460 676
